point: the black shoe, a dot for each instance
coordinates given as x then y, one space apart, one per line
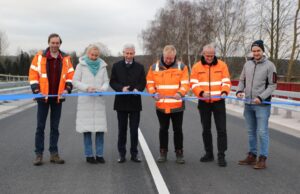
207 158
135 159
222 162
121 160
91 160
100 160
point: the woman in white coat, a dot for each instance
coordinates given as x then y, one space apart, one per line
91 76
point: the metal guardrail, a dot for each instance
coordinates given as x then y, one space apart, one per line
12 78
286 96
10 81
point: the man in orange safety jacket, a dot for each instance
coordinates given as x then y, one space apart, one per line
50 73
210 81
169 80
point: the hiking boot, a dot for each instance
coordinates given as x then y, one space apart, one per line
163 156
100 160
221 161
249 160
261 163
38 160
55 159
208 157
179 157
91 160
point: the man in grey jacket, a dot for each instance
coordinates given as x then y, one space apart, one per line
257 82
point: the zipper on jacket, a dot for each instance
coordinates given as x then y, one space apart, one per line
253 79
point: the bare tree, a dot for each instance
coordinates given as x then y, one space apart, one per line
3 43
32 52
184 24
230 24
275 21
296 44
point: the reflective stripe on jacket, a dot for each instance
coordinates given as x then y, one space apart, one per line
38 77
167 82
213 79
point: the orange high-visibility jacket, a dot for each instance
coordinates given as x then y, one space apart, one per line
214 79
167 82
38 73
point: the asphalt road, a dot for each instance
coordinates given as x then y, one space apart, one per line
18 175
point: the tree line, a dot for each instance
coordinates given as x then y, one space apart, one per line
20 64
232 25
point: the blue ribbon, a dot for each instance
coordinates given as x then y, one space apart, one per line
6 97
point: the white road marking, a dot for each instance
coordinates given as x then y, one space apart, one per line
156 175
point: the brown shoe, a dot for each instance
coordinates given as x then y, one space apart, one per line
38 160
249 160
261 163
54 158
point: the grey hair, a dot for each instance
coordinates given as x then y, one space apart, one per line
92 47
128 46
169 49
209 47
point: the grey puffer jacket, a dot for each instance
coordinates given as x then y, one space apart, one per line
258 79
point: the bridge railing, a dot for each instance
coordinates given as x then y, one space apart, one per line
10 81
12 78
278 96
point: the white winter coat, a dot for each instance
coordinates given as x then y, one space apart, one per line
91 115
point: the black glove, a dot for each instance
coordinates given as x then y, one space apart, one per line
69 87
35 88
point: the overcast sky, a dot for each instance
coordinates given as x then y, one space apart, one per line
27 23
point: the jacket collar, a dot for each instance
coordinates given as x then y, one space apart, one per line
262 60
162 63
204 62
63 54
82 62
128 65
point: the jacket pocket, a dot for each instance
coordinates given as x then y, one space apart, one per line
158 77
176 76
217 75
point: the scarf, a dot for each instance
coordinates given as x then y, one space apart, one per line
92 65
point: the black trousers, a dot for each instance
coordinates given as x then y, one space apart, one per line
164 122
134 121
42 113
218 110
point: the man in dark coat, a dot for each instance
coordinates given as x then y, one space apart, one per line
128 75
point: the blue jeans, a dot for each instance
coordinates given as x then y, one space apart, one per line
42 113
257 120
88 145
